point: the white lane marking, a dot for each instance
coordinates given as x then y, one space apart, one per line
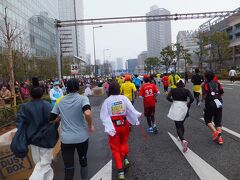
201 167
105 173
230 84
229 131
227 87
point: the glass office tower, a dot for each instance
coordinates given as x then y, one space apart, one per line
36 20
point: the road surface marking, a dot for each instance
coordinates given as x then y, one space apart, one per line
105 173
201 167
227 88
228 130
230 84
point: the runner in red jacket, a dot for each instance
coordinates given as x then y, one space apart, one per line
148 91
165 83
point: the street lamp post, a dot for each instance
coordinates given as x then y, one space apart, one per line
94 51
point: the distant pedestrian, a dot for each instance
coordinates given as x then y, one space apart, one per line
212 94
197 80
148 92
179 110
232 74
116 114
76 121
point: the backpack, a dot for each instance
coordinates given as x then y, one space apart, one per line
214 91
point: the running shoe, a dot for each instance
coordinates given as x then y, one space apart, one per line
216 135
121 176
150 130
220 140
185 145
126 163
155 130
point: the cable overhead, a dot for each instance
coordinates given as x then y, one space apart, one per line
135 19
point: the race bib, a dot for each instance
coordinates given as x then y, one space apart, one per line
117 108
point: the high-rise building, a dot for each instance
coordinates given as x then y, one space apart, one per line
88 59
158 32
72 38
141 62
36 20
119 62
113 65
188 39
131 65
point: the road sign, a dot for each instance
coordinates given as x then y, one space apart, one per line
74 69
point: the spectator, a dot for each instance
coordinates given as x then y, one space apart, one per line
24 91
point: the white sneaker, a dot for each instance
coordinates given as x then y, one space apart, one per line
185 145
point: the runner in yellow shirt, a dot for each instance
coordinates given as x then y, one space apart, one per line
128 88
173 79
120 81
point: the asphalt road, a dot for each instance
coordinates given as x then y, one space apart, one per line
156 157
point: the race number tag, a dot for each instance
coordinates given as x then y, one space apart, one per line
117 108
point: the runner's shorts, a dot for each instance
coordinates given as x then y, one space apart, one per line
149 111
211 111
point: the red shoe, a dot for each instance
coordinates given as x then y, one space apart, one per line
216 135
220 140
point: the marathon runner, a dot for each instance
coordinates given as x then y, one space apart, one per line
165 83
173 79
137 82
128 89
148 92
212 92
116 114
197 80
179 110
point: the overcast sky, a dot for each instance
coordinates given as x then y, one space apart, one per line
129 40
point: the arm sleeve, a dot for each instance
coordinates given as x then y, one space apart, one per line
53 117
134 87
221 89
86 107
169 96
191 97
21 116
121 89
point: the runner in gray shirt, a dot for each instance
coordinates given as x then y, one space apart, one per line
76 121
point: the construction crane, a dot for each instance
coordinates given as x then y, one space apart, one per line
135 19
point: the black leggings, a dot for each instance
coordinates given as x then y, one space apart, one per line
150 120
180 129
196 95
68 151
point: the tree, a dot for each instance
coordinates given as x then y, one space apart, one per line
168 54
151 63
220 46
187 58
10 33
201 52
